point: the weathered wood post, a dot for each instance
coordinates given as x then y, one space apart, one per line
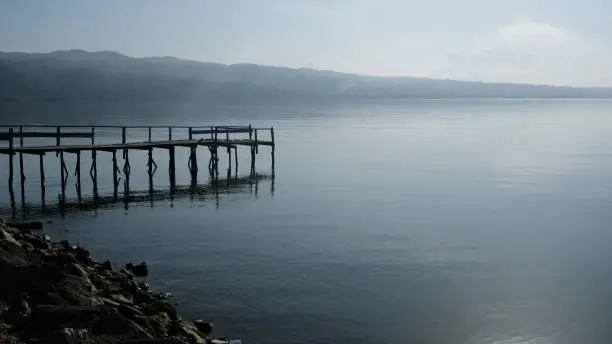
229 150
150 164
273 146
256 143
42 178
193 158
126 164
21 168
11 153
252 150
171 164
115 177
77 172
236 158
21 157
94 163
63 175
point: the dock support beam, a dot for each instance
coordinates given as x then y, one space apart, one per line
11 160
115 177
77 172
152 169
272 152
171 162
63 174
213 164
21 172
193 162
236 159
42 179
252 160
126 170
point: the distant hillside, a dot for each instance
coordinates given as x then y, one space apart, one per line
107 75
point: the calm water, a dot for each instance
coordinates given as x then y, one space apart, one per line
387 222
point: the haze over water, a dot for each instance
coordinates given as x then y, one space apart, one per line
388 221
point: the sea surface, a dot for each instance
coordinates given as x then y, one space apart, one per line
404 221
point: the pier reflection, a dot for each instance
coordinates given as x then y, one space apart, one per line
214 189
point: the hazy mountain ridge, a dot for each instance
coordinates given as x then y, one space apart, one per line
108 75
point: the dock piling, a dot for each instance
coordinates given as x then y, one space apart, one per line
115 172
77 172
42 178
272 148
21 172
64 177
171 162
11 153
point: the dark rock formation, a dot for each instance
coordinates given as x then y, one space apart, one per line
140 270
55 293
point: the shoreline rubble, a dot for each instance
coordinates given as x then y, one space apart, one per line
56 293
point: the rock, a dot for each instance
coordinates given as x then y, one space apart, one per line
144 286
8 238
65 244
49 298
140 270
161 307
111 322
219 340
107 265
64 316
76 290
154 341
19 311
129 311
24 310
120 298
161 323
81 253
163 296
191 333
109 302
26 226
72 336
100 282
204 326
77 270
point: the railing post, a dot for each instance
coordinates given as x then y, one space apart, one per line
190 134
149 134
93 133
256 144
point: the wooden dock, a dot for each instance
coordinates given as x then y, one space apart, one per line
229 138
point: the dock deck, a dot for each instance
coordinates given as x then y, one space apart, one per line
113 147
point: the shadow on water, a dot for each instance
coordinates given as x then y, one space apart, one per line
232 184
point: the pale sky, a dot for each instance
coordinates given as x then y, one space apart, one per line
537 41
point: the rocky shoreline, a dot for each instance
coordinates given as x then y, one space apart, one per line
56 293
